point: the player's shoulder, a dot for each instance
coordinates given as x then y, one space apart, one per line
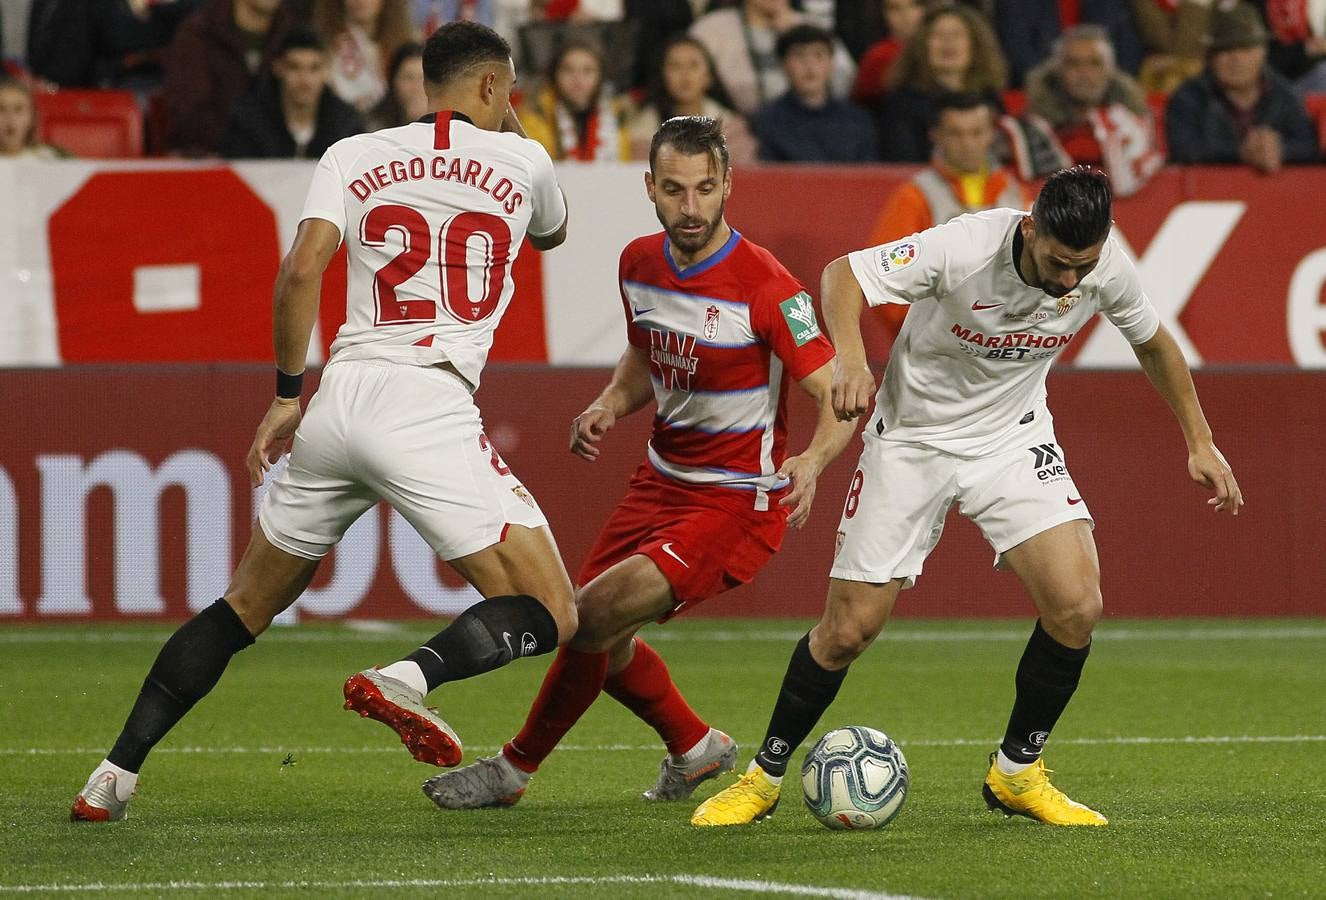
762 272
961 245
642 255
506 141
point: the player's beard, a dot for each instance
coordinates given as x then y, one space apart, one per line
692 243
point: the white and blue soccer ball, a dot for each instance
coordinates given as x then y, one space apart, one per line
855 777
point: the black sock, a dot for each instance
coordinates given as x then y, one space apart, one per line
188 666
1047 677
807 691
487 636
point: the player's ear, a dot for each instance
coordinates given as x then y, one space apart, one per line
727 182
649 185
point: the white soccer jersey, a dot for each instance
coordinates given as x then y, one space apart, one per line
970 362
433 214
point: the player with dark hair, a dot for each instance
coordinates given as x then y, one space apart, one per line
994 297
717 329
393 418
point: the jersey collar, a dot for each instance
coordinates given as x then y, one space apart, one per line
704 265
431 118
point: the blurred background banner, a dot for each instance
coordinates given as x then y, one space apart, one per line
174 262
123 496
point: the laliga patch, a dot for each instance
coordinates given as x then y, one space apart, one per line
893 257
799 313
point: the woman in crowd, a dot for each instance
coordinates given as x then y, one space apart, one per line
406 100
363 36
903 18
574 115
18 123
683 84
954 51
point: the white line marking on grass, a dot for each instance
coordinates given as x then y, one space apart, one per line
697 881
654 748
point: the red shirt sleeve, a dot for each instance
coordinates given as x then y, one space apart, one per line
784 316
634 333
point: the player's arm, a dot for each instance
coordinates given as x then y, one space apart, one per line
843 300
831 436
294 309
1163 362
557 238
630 389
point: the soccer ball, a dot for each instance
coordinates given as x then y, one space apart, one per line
855 777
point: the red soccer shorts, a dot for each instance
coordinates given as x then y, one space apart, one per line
704 539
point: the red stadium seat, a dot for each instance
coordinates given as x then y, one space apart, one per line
1316 106
94 124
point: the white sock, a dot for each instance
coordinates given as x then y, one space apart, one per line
407 672
125 781
773 779
1010 767
693 754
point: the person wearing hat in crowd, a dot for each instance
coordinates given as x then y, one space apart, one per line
1239 109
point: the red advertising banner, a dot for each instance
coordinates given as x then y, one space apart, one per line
123 495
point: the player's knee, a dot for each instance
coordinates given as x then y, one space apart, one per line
598 621
1075 615
561 603
255 611
837 643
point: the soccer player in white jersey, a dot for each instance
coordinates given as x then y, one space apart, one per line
432 215
961 415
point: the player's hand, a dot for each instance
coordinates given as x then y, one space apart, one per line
853 388
511 122
803 473
1207 466
273 438
588 429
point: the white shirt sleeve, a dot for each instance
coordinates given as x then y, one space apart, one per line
902 271
549 206
1123 301
326 193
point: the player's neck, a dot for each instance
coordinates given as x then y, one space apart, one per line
1023 261
472 111
722 234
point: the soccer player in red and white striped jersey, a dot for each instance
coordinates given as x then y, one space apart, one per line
717 332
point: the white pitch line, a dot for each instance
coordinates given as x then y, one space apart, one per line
696 881
1122 740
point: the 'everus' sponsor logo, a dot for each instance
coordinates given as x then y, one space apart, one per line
1049 463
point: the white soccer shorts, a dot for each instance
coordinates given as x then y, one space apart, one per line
409 435
900 494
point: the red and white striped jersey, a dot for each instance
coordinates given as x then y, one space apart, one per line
724 337
432 214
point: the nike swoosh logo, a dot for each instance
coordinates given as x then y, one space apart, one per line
506 638
640 312
977 307
667 548
1074 501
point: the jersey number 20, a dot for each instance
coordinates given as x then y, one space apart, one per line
457 237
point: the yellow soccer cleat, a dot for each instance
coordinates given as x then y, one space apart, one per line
1029 793
752 798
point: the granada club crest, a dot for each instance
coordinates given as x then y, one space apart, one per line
711 323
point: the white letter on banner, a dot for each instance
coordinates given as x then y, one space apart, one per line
416 569
10 603
1175 262
1307 314
136 495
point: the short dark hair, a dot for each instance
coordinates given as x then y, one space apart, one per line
960 101
457 47
301 38
691 135
802 34
1073 207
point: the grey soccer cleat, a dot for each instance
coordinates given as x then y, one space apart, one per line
677 781
401 708
490 781
98 802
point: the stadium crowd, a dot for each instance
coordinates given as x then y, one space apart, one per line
1032 85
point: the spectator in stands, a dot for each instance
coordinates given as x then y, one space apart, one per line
1027 31
216 57
807 123
103 44
656 21
1239 109
743 42
1298 42
1099 115
18 123
683 84
293 114
904 18
1174 33
406 100
428 14
575 116
953 51
364 36
962 177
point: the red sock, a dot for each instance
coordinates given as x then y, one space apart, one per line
573 682
646 689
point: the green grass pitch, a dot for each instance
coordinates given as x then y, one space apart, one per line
1203 741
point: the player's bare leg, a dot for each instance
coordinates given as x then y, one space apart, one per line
528 610
854 614
267 581
1061 572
